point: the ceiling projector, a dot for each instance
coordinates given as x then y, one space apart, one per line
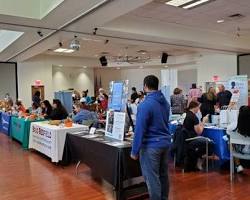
75 44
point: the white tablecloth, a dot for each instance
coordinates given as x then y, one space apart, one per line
50 139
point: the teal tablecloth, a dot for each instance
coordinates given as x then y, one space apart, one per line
20 130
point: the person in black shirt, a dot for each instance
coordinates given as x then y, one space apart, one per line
46 109
208 101
134 95
195 149
37 98
58 112
224 96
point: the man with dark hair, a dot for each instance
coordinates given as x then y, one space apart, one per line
134 95
152 139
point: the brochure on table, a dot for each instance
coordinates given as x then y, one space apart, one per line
116 115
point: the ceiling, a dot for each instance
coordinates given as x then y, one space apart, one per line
130 26
95 47
205 16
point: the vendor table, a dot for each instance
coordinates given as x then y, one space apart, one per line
20 130
50 139
1 121
5 119
108 159
221 148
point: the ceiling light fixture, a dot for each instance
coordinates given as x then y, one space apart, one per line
177 3
84 67
75 44
60 65
63 50
220 21
195 4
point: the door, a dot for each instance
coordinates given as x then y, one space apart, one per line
35 88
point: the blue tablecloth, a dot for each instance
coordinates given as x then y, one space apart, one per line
5 119
0 121
221 147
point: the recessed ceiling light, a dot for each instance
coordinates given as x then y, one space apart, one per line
177 3
141 67
60 65
220 21
118 68
84 67
63 50
166 66
195 4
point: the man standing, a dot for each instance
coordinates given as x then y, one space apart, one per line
152 139
224 96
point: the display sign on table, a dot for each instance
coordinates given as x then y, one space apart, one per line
50 139
118 95
6 117
238 85
115 125
116 116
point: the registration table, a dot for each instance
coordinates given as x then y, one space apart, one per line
108 159
50 139
20 130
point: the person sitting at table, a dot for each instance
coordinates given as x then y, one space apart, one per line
82 113
58 112
20 107
208 101
46 108
196 149
242 126
36 109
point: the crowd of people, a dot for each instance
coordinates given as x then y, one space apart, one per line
85 108
210 101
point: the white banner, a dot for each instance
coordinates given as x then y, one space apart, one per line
50 139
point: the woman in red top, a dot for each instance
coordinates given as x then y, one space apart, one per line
20 106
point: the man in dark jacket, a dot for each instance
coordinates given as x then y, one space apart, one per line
152 139
224 96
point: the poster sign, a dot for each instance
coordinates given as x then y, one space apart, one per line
238 86
118 95
115 125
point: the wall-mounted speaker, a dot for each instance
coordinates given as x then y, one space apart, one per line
164 58
103 61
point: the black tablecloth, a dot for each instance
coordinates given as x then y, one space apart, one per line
112 163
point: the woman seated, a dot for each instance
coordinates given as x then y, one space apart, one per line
243 128
58 112
196 149
20 107
82 113
46 108
36 109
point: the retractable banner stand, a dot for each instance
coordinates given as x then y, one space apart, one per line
238 86
116 114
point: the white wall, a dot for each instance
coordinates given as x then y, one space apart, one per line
7 80
41 67
200 67
78 78
135 76
30 71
